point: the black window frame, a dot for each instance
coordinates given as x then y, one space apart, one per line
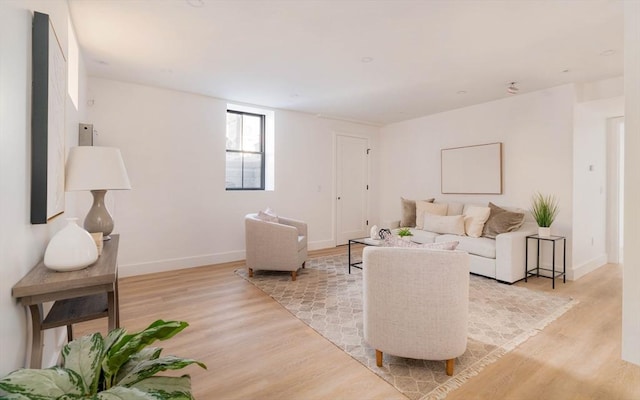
261 152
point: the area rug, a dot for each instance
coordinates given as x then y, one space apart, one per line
329 300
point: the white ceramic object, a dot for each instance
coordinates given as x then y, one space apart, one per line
70 249
374 233
544 232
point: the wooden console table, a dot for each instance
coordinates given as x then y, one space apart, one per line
78 296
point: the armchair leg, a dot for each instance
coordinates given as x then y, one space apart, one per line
250 272
303 264
450 364
293 275
378 358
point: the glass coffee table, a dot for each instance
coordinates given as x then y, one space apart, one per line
365 241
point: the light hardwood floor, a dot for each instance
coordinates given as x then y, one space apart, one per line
255 349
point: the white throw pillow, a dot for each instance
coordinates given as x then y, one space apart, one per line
425 207
474 220
268 215
453 224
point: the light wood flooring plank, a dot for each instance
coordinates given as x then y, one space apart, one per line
255 349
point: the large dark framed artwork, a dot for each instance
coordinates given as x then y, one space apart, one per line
49 70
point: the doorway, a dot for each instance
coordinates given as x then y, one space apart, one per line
352 174
615 189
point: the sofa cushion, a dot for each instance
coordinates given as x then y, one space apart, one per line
501 221
408 208
474 220
424 207
455 208
444 224
483 247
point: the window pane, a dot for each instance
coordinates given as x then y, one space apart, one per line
234 171
251 133
234 131
252 171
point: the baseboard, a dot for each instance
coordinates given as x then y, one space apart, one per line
583 269
174 264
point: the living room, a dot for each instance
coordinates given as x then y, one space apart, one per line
179 215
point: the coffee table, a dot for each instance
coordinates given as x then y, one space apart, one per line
365 241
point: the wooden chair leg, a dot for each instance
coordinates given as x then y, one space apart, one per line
378 358
304 264
293 275
450 364
69 333
250 272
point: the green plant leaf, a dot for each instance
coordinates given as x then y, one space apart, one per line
42 384
127 345
150 353
123 393
544 209
150 367
113 337
84 356
166 387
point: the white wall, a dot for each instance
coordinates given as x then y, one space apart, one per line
590 177
631 282
178 213
22 244
536 130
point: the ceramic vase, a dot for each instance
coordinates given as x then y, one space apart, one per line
70 249
544 231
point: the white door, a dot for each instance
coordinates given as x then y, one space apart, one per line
351 188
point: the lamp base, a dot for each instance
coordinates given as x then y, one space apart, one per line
98 219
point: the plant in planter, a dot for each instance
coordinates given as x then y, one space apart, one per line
119 366
544 210
404 233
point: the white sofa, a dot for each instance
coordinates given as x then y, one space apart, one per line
502 258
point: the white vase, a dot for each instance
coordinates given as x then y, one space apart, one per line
544 231
374 232
70 249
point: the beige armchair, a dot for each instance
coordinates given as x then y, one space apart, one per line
275 246
416 303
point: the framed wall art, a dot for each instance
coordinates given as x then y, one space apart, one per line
49 90
472 169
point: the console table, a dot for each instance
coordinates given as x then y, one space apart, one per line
78 296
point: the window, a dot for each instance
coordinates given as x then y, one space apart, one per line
245 165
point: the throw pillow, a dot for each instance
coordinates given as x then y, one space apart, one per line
501 221
474 220
453 224
428 207
441 246
408 208
268 215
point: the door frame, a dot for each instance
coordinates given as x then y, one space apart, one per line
615 184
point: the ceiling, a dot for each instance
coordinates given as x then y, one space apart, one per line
370 61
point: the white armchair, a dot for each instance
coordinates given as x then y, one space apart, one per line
416 303
275 246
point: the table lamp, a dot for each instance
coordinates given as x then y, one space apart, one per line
97 169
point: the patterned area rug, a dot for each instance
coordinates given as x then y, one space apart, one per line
329 300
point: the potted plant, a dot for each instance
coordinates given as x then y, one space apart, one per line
116 367
404 233
544 210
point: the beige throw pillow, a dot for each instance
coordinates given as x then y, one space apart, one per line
408 217
453 224
474 220
428 207
501 221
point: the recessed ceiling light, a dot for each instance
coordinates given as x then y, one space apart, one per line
461 92
608 52
195 3
366 59
102 62
565 70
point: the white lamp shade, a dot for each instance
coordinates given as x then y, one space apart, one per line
95 168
